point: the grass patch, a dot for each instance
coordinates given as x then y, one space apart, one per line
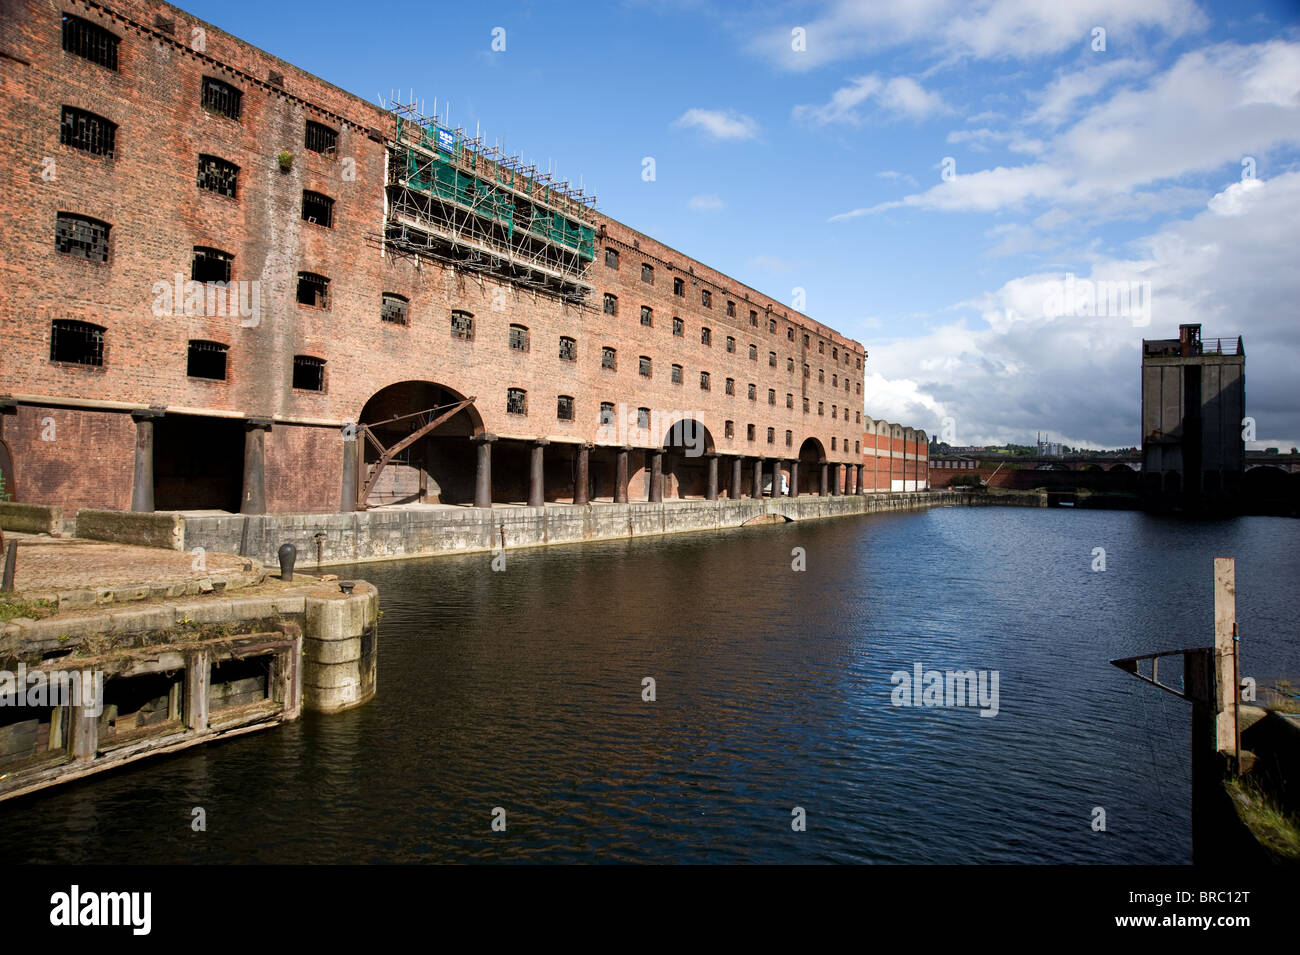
12 608
1275 830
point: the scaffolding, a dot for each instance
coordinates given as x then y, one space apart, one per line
459 201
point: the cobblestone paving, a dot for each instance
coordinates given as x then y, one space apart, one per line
46 563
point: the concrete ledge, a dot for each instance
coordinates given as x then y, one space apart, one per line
159 529
388 534
31 518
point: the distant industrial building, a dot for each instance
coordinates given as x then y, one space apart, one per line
1193 403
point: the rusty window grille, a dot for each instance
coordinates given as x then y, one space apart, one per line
749 432
394 308
608 358
753 318
564 407
647 273
789 401
643 418
644 366
317 208
731 309
729 429
308 373
206 360
647 315
611 258
607 413
313 290
706 336
81 237
771 359
90 40
568 349
706 298
320 138
519 337
753 353
771 396
679 287
217 175
679 327
221 98
462 326
730 387
731 344
753 391
704 381
210 265
78 343
516 401
611 304
87 131
771 435
677 374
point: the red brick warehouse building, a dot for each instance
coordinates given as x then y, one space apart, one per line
227 280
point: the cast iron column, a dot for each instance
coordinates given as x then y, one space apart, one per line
348 494
142 486
794 478
620 475
254 499
825 482
581 480
483 470
736 477
711 492
758 478
536 489
656 476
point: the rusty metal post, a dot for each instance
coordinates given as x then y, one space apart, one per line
620 475
1225 655
582 475
536 474
737 478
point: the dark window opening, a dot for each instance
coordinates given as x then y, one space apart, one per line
731 344
679 327
611 304
394 308
462 326
771 396
771 435
643 418
706 336
607 413
217 175
210 265
207 360
729 429
90 40
519 337
647 315
749 432
753 391
771 325
78 343
607 358
221 98
611 258
308 373
87 132
568 349
679 287
318 209
648 273
789 439
731 309
321 139
82 237
753 353
645 366
313 290
704 381
564 408
730 386
706 298
516 401
677 374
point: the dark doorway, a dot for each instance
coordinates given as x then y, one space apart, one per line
198 463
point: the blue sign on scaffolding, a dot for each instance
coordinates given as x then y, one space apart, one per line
446 139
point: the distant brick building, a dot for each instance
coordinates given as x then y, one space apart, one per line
231 285
894 457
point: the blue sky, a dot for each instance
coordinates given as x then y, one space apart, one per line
815 161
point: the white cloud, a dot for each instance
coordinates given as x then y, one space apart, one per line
1059 100
1245 100
992 29
1016 370
720 124
705 203
900 95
